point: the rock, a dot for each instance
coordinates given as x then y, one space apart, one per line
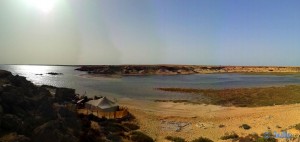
28 110
45 109
173 125
1 113
14 137
10 122
20 81
4 73
1 110
64 94
11 97
70 118
65 113
54 131
203 125
54 73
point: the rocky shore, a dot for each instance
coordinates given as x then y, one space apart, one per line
30 113
182 69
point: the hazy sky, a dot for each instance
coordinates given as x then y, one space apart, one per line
207 32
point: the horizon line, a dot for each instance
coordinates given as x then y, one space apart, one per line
152 65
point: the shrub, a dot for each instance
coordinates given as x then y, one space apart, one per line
297 126
131 126
245 126
114 137
175 139
114 128
137 136
249 138
202 139
229 136
266 140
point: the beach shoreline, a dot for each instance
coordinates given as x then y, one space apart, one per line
191 121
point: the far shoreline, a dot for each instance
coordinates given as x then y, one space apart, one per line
184 69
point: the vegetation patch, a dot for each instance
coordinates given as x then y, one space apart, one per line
175 139
244 97
297 126
131 126
245 126
266 140
202 139
137 136
256 138
229 136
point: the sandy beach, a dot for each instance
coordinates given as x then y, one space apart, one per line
190 121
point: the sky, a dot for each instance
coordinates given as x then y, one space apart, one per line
198 32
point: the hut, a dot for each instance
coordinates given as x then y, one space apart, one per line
102 104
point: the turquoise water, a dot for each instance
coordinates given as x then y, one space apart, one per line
142 87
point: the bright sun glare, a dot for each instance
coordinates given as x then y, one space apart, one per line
45 6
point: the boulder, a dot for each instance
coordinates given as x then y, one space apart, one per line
1 110
20 81
10 122
14 137
64 94
1 113
54 73
45 108
4 73
54 131
11 97
70 118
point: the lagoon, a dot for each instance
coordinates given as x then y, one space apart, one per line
142 87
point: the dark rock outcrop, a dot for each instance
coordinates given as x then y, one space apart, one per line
14 137
54 131
11 122
28 113
4 73
64 94
54 73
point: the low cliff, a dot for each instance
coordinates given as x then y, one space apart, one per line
182 69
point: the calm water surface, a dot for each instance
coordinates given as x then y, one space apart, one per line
141 87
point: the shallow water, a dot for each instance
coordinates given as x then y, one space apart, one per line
142 87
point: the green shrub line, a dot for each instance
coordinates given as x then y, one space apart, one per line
227 136
137 136
174 139
241 97
202 139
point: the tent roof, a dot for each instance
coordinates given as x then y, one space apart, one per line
102 103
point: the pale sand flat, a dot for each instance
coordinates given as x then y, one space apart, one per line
160 119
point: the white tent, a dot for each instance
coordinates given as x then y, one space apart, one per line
102 104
